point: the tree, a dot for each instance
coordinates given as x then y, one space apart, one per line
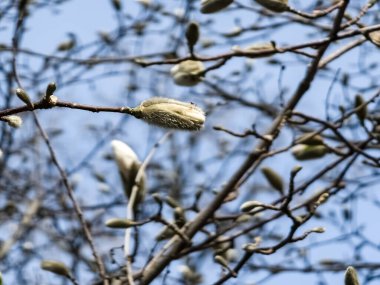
240 130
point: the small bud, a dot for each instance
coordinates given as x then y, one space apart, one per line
296 169
351 277
361 113
128 165
187 73
257 47
23 96
192 34
179 217
13 121
219 259
310 139
319 230
306 152
50 89
323 198
273 178
278 6
52 100
56 267
169 113
250 205
213 6
375 38
117 223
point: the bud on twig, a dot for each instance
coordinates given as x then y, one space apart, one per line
23 96
275 5
273 178
50 89
213 6
128 165
56 267
187 73
250 205
170 113
306 152
13 121
351 277
117 223
192 35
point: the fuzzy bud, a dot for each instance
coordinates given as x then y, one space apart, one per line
351 277
129 165
117 223
187 73
56 267
375 37
169 113
257 47
273 178
250 205
306 152
319 230
13 121
24 97
277 6
213 6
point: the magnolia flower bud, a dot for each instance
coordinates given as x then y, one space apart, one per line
129 165
257 47
117 223
351 277
305 152
187 72
212 6
250 205
375 37
13 121
24 97
190 275
274 5
50 89
273 178
169 113
56 267
192 34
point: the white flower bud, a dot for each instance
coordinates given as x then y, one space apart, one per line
128 165
187 72
351 277
170 113
13 121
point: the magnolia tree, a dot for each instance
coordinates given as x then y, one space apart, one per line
189 142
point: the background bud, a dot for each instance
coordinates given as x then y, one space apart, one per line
212 6
275 5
